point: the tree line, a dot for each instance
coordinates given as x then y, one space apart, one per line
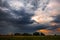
27 34
24 34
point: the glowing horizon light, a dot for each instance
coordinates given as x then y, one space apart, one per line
46 31
58 29
16 5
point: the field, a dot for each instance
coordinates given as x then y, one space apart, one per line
29 37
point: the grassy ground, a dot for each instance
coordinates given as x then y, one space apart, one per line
29 37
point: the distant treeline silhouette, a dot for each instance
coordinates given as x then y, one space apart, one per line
27 34
24 34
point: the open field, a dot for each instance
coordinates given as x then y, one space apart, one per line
29 37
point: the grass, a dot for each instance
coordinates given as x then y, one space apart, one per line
29 37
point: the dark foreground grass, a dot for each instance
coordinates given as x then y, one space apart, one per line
29 37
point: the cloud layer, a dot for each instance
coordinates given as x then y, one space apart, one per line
29 16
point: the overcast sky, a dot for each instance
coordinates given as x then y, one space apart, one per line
30 16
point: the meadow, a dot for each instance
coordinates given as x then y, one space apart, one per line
29 37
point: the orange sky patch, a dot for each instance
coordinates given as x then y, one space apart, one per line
45 31
58 29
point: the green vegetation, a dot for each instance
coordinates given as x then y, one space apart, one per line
29 37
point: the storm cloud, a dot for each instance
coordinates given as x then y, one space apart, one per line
28 16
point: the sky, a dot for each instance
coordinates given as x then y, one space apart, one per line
28 16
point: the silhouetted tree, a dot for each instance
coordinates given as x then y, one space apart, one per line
26 34
36 34
0 34
17 34
55 35
42 34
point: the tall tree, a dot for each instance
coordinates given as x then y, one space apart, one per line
36 34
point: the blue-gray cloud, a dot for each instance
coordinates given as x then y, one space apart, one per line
19 20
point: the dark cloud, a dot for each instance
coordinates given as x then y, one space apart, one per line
57 20
12 24
0 2
20 20
35 3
